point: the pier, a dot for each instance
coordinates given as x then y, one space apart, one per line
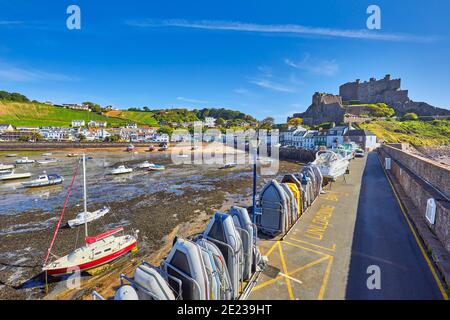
331 252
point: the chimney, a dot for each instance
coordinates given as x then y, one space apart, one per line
387 77
373 79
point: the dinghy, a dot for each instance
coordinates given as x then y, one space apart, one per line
97 250
87 216
292 179
274 209
121 170
331 164
130 147
72 155
49 154
185 262
223 233
12 175
44 180
11 155
25 160
247 232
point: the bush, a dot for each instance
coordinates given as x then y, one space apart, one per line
410 116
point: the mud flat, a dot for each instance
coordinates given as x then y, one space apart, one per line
178 201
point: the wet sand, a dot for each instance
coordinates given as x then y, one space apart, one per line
178 201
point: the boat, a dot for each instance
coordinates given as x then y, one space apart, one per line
87 216
47 161
130 147
331 164
156 167
48 154
229 165
151 148
25 160
11 155
275 215
6 166
12 175
145 165
121 170
96 251
72 155
7 171
44 180
346 153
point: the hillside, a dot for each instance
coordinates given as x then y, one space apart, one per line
139 117
38 114
417 133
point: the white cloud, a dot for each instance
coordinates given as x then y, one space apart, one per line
241 91
282 29
267 84
315 66
12 73
191 100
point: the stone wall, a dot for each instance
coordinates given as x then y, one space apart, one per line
410 171
297 154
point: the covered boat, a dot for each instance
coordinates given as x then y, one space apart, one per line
185 263
44 180
274 217
293 179
331 164
223 233
247 232
144 165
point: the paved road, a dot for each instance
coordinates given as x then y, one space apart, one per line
382 237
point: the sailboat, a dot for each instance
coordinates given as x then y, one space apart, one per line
97 250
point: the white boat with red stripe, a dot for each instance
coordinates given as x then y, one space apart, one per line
96 251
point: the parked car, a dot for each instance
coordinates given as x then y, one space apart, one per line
359 153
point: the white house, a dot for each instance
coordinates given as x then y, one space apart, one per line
210 122
335 136
287 136
5 127
78 123
97 124
163 137
131 125
364 138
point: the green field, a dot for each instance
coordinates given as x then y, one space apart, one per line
418 133
37 114
142 118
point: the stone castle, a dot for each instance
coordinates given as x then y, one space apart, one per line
329 107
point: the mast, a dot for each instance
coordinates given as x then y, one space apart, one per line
84 195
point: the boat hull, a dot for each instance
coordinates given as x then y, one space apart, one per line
42 184
91 264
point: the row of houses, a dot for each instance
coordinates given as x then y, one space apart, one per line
300 137
131 133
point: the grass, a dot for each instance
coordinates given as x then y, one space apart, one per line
418 133
143 118
38 114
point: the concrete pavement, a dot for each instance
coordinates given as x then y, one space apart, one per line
356 224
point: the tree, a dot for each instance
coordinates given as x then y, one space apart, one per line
24 138
410 116
295 121
220 122
113 138
165 129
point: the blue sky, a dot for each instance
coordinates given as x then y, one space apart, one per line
265 58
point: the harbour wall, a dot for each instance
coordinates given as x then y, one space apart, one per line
67 145
421 179
296 154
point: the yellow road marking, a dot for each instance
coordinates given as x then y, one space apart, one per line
288 281
266 283
333 248
430 265
307 249
325 279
